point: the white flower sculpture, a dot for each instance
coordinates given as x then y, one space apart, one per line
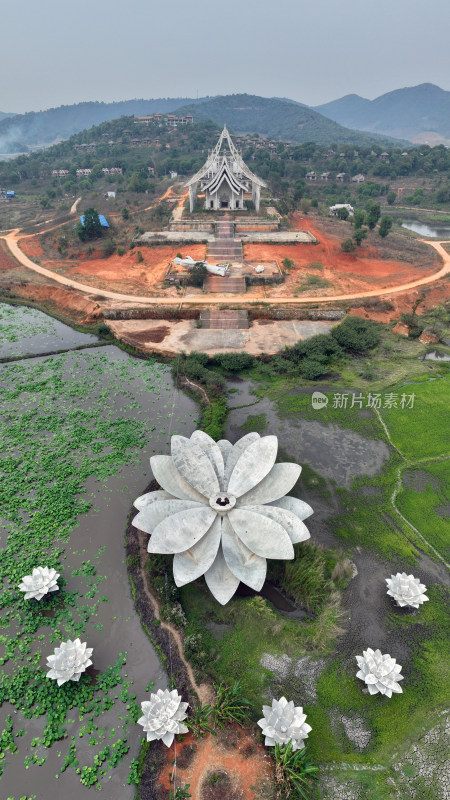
41 581
380 672
69 661
222 510
283 722
162 716
406 590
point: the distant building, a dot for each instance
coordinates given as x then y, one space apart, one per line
324 176
311 176
172 120
151 170
102 220
84 171
334 209
173 174
112 170
60 173
359 178
341 177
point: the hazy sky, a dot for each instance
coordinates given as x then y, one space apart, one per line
58 52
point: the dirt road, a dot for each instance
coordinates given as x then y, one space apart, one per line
11 240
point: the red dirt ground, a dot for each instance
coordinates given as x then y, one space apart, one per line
31 246
233 751
7 262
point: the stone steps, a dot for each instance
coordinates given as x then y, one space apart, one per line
224 319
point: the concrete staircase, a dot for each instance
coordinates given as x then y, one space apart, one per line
225 247
224 319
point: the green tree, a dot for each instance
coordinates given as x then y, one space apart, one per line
373 215
359 235
359 218
91 229
343 213
391 197
125 213
385 225
198 274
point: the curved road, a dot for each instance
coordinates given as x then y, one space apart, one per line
12 238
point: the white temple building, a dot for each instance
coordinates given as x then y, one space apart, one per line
224 179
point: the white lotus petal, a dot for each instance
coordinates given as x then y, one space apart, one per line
279 481
236 452
194 466
165 472
212 450
246 565
151 497
220 580
152 515
261 534
181 531
298 507
253 465
226 448
190 564
294 527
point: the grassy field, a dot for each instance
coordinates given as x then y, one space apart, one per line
426 503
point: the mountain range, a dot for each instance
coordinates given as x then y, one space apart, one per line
416 114
420 114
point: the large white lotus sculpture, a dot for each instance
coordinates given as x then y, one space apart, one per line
406 590
69 661
222 510
380 672
41 581
283 722
162 716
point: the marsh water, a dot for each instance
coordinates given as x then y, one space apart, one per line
100 389
435 230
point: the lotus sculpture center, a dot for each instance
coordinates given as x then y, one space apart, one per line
222 510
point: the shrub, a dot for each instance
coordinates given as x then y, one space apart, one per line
201 358
288 263
356 334
197 274
311 370
231 705
234 362
120 251
108 248
385 226
140 257
348 246
293 771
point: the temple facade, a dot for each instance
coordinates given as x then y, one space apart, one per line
224 179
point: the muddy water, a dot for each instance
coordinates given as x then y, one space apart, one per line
337 454
121 387
27 331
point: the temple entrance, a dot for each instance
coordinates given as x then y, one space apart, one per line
224 204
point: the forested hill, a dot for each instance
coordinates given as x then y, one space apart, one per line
419 113
277 119
21 132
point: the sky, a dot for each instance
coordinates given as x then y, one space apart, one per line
59 52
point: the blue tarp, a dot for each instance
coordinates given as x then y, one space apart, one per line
102 219
10 194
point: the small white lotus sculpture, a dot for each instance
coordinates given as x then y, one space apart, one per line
406 590
283 722
380 672
41 581
222 510
69 661
162 716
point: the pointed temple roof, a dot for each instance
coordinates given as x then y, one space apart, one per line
226 165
